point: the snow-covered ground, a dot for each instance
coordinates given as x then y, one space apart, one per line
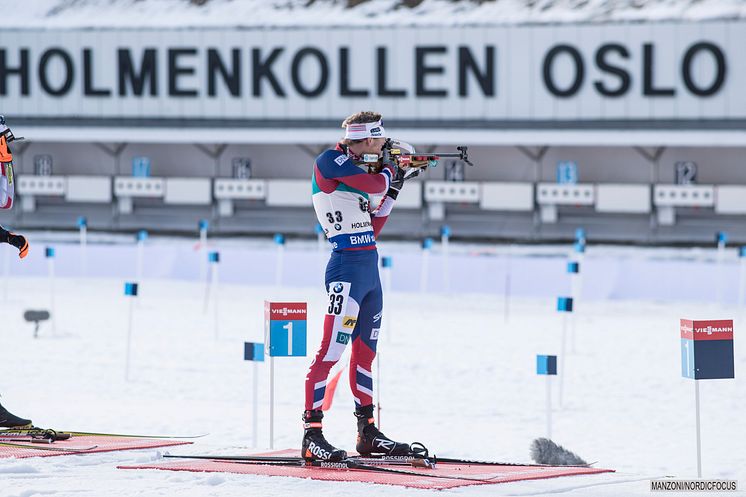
454 375
264 13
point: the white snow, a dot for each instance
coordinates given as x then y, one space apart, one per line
323 13
454 374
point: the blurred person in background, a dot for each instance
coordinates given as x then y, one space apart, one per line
343 181
7 419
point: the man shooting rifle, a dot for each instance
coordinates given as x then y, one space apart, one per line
7 419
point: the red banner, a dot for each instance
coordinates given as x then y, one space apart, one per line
284 311
713 329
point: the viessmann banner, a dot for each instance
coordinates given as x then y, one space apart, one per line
683 72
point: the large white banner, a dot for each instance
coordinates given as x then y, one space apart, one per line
688 74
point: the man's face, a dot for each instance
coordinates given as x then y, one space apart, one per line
369 146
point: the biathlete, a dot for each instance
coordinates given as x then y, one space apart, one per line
342 187
7 419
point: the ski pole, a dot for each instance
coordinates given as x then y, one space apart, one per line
280 242
49 252
203 225
83 227
130 289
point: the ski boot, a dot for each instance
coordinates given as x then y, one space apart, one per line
370 440
8 420
315 447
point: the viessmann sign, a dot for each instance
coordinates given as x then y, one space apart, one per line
668 72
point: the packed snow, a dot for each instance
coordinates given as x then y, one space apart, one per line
457 370
324 13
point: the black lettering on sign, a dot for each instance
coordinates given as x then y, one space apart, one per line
579 71
344 76
383 90
262 69
467 64
686 69
323 67
88 87
231 76
69 71
136 78
175 70
603 64
648 70
422 70
21 70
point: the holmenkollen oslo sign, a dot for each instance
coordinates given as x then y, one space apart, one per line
675 72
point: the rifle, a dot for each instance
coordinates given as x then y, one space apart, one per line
397 153
394 153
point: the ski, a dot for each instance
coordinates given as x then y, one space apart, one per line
27 440
47 447
472 462
417 462
353 463
36 431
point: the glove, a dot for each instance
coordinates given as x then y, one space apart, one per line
18 241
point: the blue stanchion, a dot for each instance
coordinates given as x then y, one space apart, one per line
564 304
253 351
130 289
546 364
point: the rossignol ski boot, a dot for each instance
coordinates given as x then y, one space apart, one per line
315 447
370 440
9 420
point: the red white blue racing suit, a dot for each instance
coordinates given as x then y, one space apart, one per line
341 198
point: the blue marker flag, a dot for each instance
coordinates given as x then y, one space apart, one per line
564 304
579 247
142 235
130 289
203 224
580 235
427 243
82 222
743 250
546 364
214 257
445 230
49 252
386 261
721 237
573 267
253 351
279 239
